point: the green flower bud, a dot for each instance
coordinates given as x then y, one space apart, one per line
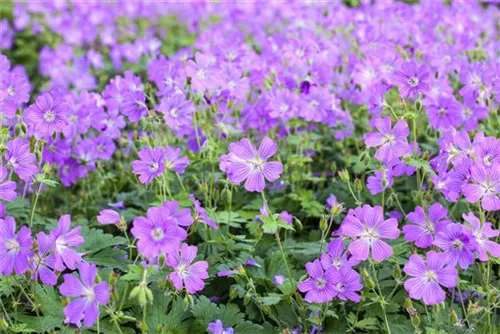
344 175
323 224
418 105
233 294
161 259
453 317
358 185
415 320
396 273
247 298
369 282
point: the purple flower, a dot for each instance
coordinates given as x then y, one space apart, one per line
66 239
19 157
423 228
109 217
14 248
173 160
320 286
16 87
380 181
181 217
483 232
411 79
392 143
458 244
346 282
444 113
177 112
134 106
204 74
428 276
150 165
42 264
487 152
279 279
217 327
186 273
367 227
201 215
7 188
286 217
336 257
47 115
485 187
89 296
157 233
245 163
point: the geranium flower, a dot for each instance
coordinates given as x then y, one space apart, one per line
428 277
244 162
157 233
19 157
174 161
201 214
392 143
181 217
411 79
150 165
89 296
65 240
483 232
187 274
458 244
14 248
346 282
42 264
109 217
320 286
485 188
367 227
217 327
47 115
336 257
423 228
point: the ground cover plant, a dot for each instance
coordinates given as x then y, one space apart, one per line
249 167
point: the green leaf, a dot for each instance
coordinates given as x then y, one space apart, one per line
96 240
204 310
367 323
272 299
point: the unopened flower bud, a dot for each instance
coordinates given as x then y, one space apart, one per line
396 273
453 317
323 224
358 185
247 298
161 259
418 105
344 175
369 282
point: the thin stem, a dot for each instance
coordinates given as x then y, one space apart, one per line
381 297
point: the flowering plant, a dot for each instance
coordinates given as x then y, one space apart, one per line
234 167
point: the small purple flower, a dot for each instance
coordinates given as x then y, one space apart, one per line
380 181
19 157
42 264
487 152
279 279
157 233
66 239
412 79
14 248
444 113
186 273
47 115
181 217
134 106
177 112
150 165
286 217
174 161
336 257
346 282
367 227
428 276
483 232
244 162
201 215
423 228
217 327
458 244
320 286
7 188
89 296
109 217
392 143
204 73
485 188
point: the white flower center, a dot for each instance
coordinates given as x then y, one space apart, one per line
201 74
157 234
320 282
430 276
413 81
12 246
49 116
